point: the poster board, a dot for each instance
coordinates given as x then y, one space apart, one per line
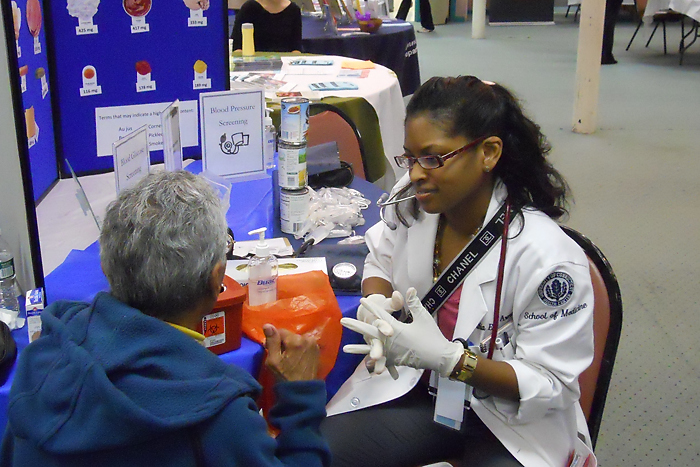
29 52
112 57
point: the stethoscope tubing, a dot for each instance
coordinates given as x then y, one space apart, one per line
391 201
388 201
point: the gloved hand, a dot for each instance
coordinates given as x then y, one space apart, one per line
375 348
419 344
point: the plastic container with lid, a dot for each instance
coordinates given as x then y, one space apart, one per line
222 327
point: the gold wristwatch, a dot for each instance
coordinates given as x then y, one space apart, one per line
465 370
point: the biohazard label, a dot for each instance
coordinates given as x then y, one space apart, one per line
214 329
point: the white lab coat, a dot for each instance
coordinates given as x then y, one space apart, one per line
552 344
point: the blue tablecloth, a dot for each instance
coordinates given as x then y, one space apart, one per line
393 46
80 277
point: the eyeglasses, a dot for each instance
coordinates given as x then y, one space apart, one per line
433 161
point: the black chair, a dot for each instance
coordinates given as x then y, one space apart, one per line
661 18
327 123
694 33
607 327
578 9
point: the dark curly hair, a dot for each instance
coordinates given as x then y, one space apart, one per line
467 106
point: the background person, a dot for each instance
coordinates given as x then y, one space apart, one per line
426 14
125 380
612 12
276 25
468 148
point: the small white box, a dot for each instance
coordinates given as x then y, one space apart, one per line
34 305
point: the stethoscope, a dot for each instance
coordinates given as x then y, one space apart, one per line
385 201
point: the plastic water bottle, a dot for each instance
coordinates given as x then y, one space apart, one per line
8 288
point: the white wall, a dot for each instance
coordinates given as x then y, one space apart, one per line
13 215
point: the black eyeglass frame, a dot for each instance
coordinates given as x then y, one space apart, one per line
406 162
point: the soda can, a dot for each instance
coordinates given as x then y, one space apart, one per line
294 120
294 209
292 172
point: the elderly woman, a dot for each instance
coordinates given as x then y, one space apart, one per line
124 380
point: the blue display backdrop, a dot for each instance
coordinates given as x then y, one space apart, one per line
111 54
30 47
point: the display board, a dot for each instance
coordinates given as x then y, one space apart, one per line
30 49
506 12
117 64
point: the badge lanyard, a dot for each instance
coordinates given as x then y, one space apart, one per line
472 254
451 395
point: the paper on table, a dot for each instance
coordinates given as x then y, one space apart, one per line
238 269
309 70
357 64
353 73
278 246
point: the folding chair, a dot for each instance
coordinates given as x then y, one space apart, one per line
328 123
570 4
693 35
607 327
660 17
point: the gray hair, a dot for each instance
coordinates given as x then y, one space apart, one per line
160 242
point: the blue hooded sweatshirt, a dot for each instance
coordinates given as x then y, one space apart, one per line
107 385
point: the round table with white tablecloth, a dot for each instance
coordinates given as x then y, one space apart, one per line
380 89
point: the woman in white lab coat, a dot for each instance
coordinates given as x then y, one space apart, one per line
469 147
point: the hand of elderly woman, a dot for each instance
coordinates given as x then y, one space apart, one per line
291 357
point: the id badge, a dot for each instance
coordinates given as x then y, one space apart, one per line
449 403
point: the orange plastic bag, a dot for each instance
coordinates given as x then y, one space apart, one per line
305 304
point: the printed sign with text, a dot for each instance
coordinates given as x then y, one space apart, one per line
131 158
232 132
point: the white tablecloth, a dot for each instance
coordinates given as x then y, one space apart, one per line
381 89
690 8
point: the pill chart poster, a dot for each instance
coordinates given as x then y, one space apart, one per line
32 63
118 63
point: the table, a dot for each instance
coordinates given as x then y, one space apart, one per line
80 277
689 8
376 104
393 45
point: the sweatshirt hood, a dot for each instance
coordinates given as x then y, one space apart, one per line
104 375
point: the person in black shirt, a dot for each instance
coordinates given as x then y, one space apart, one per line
277 25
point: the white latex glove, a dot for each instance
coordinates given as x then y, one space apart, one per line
375 347
419 344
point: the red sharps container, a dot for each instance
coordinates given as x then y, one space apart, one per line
222 327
